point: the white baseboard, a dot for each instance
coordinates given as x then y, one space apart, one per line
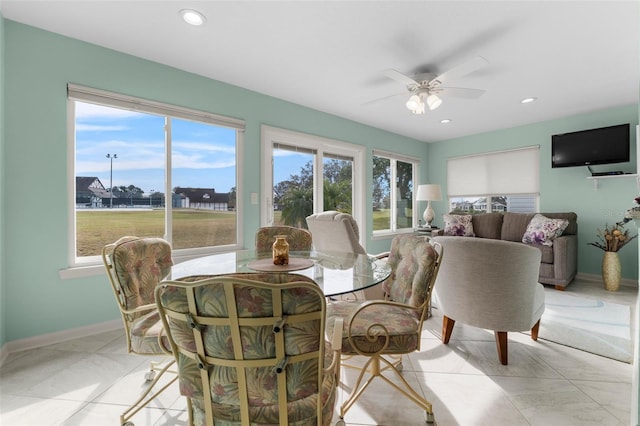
57 337
627 282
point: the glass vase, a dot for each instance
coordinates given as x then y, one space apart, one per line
281 250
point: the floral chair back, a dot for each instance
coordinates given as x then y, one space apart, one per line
299 239
250 348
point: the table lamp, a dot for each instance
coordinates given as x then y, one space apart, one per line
428 193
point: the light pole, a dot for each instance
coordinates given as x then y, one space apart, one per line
111 157
150 198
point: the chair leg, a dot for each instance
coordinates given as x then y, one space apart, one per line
501 343
534 331
146 398
447 328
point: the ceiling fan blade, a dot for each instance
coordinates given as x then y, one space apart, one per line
398 76
384 98
459 92
462 69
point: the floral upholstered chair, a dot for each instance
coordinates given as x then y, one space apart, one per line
299 239
135 266
250 349
384 330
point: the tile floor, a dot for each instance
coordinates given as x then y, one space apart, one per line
89 381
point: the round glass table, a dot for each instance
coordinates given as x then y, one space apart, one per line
336 273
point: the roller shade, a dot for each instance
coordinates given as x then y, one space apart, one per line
117 100
499 173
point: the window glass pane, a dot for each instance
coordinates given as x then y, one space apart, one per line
381 193
204 183
123 151
494 203
121 179
338 184
404 195
292 186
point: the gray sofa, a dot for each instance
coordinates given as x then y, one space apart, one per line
559 263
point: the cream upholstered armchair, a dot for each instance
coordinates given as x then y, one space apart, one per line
333 231
251 349
299 239
135 266
384 330
490 284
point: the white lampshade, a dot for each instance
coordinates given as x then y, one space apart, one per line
429 192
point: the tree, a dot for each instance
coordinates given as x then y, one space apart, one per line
232 198
381 180
297 205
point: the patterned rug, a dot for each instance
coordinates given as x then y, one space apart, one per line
592 325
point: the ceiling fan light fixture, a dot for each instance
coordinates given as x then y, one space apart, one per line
433 101
414 103
192 17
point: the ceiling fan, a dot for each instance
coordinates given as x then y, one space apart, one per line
427 90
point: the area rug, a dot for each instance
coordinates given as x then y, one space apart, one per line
591 325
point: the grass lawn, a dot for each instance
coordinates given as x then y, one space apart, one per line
191 228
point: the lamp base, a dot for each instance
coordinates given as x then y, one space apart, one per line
428 215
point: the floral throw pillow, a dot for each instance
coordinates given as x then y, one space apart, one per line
542 230
458 225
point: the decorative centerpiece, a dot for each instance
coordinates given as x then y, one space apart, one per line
611 240
281 250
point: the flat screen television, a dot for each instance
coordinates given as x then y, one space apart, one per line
605 145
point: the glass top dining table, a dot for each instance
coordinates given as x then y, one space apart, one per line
336 273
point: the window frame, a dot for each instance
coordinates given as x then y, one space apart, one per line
273 135
77 93
393 196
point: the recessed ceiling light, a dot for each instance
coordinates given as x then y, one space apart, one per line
192 17
528 100
445 121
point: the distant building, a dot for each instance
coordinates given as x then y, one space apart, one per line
90 192
202 198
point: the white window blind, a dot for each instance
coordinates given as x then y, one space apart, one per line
102 97
503 172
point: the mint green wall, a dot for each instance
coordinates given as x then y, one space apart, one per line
2 192
563 189
38 67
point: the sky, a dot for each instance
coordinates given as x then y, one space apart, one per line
203 155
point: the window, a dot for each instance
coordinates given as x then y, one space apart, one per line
495 182
305 174
393 204
149 169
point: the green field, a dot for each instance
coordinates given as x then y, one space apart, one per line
191 228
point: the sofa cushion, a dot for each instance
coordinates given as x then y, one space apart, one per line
542 230
487 225
458 225
514 225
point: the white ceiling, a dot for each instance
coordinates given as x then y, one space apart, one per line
574 56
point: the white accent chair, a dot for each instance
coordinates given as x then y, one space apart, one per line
334 231
489 284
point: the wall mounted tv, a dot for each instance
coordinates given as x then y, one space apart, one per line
605 145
